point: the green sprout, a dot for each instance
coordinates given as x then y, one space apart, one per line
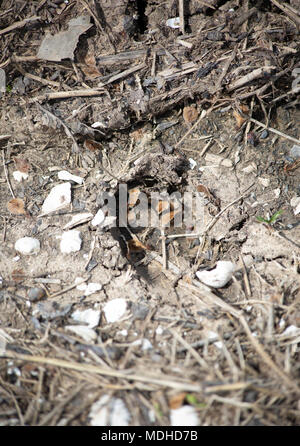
8 88
191 399
271 220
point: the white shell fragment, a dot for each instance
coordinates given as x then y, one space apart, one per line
88 289
59 197
115 309
192 163
109 411
144 343
173 22
184 416
70 241
78 219
67 176
219 276
86 333
90 317
19 176
98 218
27 245
295 203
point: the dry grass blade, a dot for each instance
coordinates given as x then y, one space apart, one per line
204 293
159 380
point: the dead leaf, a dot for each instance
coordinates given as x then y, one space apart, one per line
238 117
21 164
16 206
92 145
203 189
176 401
134 245
89 66
190 114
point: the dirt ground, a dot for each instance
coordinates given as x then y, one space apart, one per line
209 107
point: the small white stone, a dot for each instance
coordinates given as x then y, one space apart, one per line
98 218
219 276
67 176
295 203
277 192
98 124
19 176
70 241
122 333
184 416
144 343
58 198
89 316
109 411
86 333
115 309
88 288
27 245
192 163
173 22
159 330
211 335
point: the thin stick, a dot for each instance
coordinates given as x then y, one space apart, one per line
163 248
190 349
6 175
68 94
255 74
192 128
123 74
181 15
65 290
214 220
245 277
19 24
206 295
288 10
2 137
277 132
97 21
37 78
93 242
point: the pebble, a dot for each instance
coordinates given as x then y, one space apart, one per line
115 309
219 276
173 22
295 151
109 411
184 416
20 176
27 245
35 294
264 134
70 241
89 316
